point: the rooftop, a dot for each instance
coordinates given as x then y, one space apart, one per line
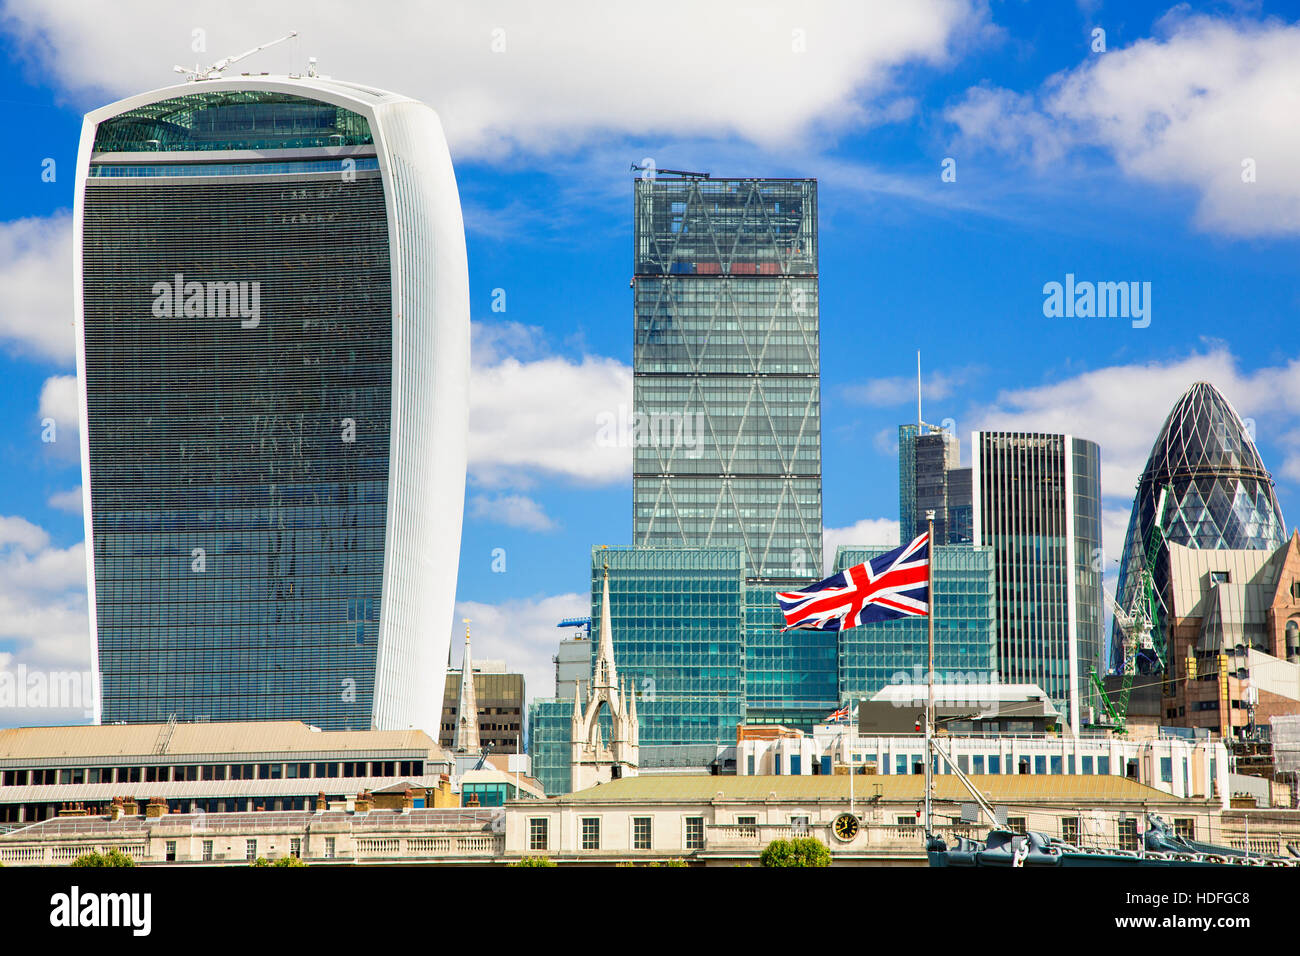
217 738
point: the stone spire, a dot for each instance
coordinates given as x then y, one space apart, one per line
594 760
604 674
466 739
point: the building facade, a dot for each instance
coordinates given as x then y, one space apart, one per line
272 322
1221 498
1233 637
232 767
1036 502
930 479
500 697
726 370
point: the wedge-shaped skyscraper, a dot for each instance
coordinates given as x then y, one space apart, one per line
273 355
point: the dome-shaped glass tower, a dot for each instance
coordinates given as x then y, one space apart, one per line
1222 498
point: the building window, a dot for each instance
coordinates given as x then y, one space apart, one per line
748 825
640 833
250 849
329 848
995 763
978 763
1103 765
1219 577
1166 770
800 825
1016 824
1056 765
1128 834
207 850
538 837
694 833
591 833
295 846
1185 827
906 821
1087 765
171 851
1040 764
1070 830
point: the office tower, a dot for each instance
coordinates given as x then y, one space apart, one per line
499 695
1222 497
930 479
273 353
726 387
1037 504
726 370
882 653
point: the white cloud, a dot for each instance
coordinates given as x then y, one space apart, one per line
43 612
36 287
521 632
70 500
543 417
516 511
1184 111
685 67
868 531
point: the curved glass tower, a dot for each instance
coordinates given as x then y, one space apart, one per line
1222 496
272 318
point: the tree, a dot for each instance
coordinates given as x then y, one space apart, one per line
802 851
533 861
111 858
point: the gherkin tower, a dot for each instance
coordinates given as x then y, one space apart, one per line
1222 497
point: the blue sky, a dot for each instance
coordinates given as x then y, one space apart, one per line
1122 163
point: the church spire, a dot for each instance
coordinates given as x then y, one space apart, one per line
467 740
605 675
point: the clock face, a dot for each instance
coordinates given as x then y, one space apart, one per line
845 827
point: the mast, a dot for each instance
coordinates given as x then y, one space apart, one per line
929 675
918 391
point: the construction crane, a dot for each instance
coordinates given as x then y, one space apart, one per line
1139 623
582 624
215 70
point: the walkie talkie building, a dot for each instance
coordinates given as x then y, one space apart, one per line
272 317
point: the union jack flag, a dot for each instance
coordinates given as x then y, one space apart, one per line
893 585
840 716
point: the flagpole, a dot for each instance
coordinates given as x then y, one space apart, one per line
929 681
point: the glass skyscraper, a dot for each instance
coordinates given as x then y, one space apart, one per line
930 479
726 371
1037 505
273 356
727 390
1222 496
679 638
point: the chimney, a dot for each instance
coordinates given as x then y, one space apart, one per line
364 802
157 807
115 809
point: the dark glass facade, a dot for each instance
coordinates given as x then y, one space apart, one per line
232 119
239 468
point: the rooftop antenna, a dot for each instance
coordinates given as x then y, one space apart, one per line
214 71
918 391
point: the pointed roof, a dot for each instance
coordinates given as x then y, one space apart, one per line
604 673
1203 433
467 738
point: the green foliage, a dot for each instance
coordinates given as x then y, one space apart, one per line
260 861
802 851
533 861
111 858
288 861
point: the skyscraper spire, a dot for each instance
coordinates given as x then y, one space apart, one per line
466 740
